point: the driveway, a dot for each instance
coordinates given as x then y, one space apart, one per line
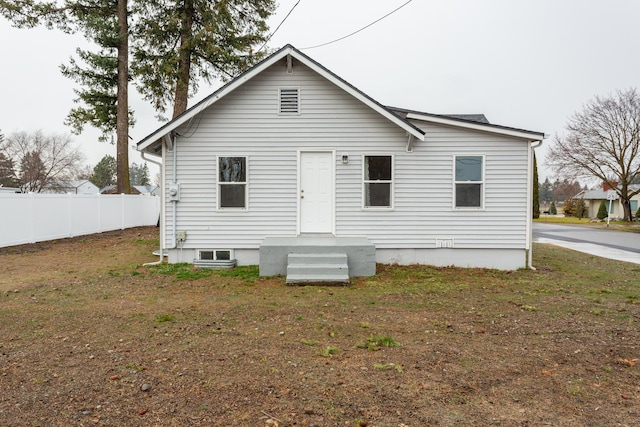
619 245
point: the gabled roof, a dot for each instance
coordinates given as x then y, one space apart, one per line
148 143
600 194
468 121
480 118
74 183
145 188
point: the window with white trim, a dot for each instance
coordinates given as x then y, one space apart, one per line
378 181
289 100
232 183
469 182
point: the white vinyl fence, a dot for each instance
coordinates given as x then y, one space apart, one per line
29 218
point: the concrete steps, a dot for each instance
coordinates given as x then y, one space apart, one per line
274 253
317 268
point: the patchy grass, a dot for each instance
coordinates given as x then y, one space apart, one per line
374 343
108 342
556 219
328 351
633 227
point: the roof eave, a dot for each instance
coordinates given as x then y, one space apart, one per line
156 137
490 128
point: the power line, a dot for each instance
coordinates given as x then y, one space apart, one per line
279 25
361 29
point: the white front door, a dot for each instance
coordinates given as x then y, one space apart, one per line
316 191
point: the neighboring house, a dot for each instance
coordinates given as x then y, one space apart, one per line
145 190
81 186
289 157
9 189
593 198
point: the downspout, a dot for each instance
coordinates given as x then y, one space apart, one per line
148 264
529 243
174 244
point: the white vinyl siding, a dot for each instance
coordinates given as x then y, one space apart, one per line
244 124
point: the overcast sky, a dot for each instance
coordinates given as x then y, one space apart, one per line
523 63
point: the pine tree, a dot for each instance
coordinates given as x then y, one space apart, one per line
104 173
139 174
8 177
178 43
546 192
144 175
602 210
104 22
552 208
175 44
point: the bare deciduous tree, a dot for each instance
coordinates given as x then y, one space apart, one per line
603 141
43 159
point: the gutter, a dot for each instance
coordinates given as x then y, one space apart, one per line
148 264
529 245
174 201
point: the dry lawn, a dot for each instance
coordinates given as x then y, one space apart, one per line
89 337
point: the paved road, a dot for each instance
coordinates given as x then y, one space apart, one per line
620 245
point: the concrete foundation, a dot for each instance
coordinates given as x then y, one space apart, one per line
361 253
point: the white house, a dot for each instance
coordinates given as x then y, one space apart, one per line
288 154
80 186
594 197
145 190
9 189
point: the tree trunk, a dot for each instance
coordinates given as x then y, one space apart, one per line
626 208
122 112
184 60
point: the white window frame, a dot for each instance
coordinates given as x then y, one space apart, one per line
365 182
219 184
481 183
289 113
215 253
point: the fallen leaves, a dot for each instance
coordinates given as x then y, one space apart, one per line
627 362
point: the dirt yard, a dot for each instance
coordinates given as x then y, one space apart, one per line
89 337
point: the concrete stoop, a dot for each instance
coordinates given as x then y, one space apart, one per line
317 259
317 268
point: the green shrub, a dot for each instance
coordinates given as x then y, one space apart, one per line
552 209
638 213
602 210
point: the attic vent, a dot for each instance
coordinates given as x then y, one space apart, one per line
289 100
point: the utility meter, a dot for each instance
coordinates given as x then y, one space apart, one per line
174 192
